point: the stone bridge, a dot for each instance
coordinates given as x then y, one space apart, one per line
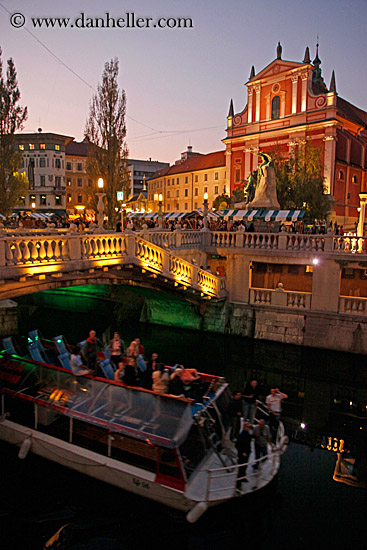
37 261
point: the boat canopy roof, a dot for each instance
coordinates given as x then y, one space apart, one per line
142 414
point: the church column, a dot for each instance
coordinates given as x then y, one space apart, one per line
294 92
268 107
249 109
228 155
257 112
329 163
362 213
304 78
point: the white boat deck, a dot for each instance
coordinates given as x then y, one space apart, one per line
222 484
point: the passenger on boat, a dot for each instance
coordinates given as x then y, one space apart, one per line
175 385
160 379
117 349
194 387
141 349
243 446
76 363
119 372
235 413
273 402
250 396
132 350
151 367
129 376
90 350
262 436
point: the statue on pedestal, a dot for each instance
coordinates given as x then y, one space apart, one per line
266 190
250 188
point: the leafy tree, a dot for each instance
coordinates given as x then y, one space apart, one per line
237 195
300 181
12 117
219 199
106 131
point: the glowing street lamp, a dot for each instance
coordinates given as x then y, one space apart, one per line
100 205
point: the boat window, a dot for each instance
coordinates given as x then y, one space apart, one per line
142 414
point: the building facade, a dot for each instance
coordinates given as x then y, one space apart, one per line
288 103
79 185
43 163
140 172
184 184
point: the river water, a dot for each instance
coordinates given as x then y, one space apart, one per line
302 508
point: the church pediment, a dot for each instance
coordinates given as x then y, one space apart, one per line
276 67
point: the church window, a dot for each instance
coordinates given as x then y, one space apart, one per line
341 175
354 179
275 107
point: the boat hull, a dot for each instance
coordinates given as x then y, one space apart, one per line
103 468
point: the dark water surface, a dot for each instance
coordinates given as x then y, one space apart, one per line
303 508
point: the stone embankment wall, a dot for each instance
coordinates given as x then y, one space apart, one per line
313 329
8 317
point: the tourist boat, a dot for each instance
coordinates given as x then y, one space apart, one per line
170 449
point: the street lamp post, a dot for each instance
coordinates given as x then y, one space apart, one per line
205 212
160 215
100 206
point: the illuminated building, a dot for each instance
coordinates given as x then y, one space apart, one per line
288 103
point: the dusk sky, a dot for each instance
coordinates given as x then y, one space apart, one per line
178 82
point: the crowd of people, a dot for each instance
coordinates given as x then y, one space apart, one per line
131 368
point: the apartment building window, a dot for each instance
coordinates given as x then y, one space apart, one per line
216 190
186 206
58 200
205 189
57 181
168 207
32 199
68 182
80 199
21 147
168 182
216 175
42 181
42 162
68 198
57 147
68 166
80 182
178 181
177 193
57 163
80 167
186 192
42 146
186 179
196 191
168 194
177 206
31 146
205 177
43 200
21 201
196 178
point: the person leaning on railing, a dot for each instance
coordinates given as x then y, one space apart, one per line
273 402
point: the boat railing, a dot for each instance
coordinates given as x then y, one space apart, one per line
231 472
